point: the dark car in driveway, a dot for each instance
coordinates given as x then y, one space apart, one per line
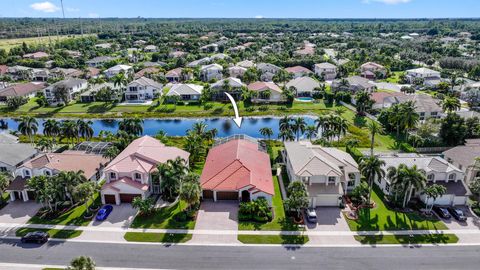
442 212
35 237
457 214
104 212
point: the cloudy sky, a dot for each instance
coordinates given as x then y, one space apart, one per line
243 8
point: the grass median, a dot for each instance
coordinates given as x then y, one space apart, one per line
54 233
157 237
273 239
406 239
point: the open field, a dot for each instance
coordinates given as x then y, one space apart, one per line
7 44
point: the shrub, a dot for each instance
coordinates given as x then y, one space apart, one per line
207 106
355 153
250 109
263 108
407 148
257 210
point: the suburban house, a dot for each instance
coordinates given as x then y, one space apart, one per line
425 105
129 175
36 55
73 86
50 164
328 173
298 71
199 62
423 74
371 70
355 84
91 94
384 99
13 154
99 61
113 71
438 171
326 70
177 54
235 86
27 73
246 64
178 75
150 48
146 72
262 88
236 71
211 72
237 168
465 157
267 71
61 73
142 89
186 92
20 90
304 86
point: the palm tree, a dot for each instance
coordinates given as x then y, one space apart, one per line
266 132
451 104
433 192
311 132
341 127
70 180
199 128
111 153
82 263
190 192
375 128
284 123
28 126
363 102
172 173
69 130
85 129
286 135
371 169
45 144
321 122
120 80
299 126
51 128
412 178
84 192
132 126
343 84
409 117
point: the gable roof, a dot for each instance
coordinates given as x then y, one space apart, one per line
298 69
303 84
233 82
463 154
237 164
20 90
14 153
143 154
176 72
427 163
325 65
144 81
185 89
423 102
262 86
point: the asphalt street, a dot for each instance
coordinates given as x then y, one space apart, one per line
222 257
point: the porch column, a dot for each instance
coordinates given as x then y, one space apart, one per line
117 199
12 195
25 195
214 195
102 198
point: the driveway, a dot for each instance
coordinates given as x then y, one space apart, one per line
19 212
472 223
329 219
121 217
221 215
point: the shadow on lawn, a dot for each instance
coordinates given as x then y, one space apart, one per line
168 216
406 239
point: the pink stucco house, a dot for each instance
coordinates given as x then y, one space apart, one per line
129 175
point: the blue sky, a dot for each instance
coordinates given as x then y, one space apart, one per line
243 8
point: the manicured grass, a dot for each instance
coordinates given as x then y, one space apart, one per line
54 233
406 239
273 239
157 237
383 219
279 221
71 217
164 218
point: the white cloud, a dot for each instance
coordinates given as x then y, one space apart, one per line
259 17
47 7
93 15
70 9
388 2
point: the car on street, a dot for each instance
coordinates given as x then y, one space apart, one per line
311 215
442 212
35 237
104 212
457 214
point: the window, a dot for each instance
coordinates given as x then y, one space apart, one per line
331 179
113 175
27 173
47 173
138 176
351 183
387 187
452 177
431 177
433 113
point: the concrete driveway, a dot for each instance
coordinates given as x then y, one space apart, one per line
328 219
472 223
121 217
222 215
19 212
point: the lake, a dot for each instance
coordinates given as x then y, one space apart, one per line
179 126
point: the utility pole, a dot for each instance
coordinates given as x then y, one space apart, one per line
63 11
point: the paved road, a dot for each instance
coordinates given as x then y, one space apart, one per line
217 257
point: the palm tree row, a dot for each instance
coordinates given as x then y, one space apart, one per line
332 126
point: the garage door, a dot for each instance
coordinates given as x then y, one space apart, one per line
326 200
208 194
109 199
31 195
227 195
128 198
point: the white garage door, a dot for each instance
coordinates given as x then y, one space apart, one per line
326 200
444 200
459 200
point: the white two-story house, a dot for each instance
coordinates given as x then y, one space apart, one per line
211 72
326 70
142 89
74 87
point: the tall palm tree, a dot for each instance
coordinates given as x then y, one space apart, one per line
286 135
69 180
266 132
199 128
341 127
45 144
374 128
132 126
120 80
111 152
409 116
311 132
321 121
51 128
371 169
28 126
284 123
299 126
451 104
413 178
433 192
190 192
85 129
69 130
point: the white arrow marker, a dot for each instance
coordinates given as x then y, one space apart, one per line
238 119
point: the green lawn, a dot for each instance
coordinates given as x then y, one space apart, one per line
157 237
273 239
54 233
383 219
7 44
164 218
405 239
394 77
279 222
72 217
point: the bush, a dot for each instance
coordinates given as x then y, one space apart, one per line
282 108
207 106
250 109
407 148
263 108
257 210
355 153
